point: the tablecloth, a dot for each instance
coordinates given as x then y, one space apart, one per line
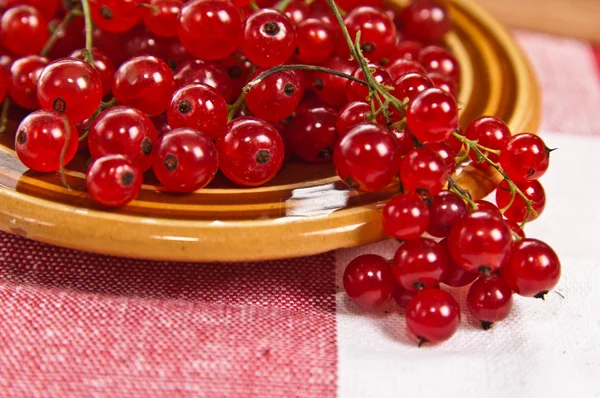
75 324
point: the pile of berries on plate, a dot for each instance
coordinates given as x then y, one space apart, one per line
188 88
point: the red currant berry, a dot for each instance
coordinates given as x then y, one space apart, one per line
103 65
48 8
275 97
402 296
517 212
4 81
23 30
419 264
444 82
145 83
141 42
378 32
269 38
404 140
112 44
525 157
174 53
68 38
113 181
489 132
454 143
489 207
297 11
432 116
406 49
70 86
312 134
185 160
423 172
210 29
433 316
161 123
359 92
25 73
409 85
163 20
41 138
368 281
489 300
349 5
402 66
405 216
115 16
210 74
455 276
516 229
425 21
238 69
439 60
533 269
315 41
251 151
123 131
445 209
367 158
332 89
352 114
480 242
445 152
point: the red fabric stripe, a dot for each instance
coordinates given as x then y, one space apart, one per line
78 324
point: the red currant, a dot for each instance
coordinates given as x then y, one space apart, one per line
123 131
185 160
359 92
210 74
489 132
480 242
210 29
423 172
439 60
115 15
48 8
455 276
68 38
445 152
251 151
238 69
432 116
141 42
332 89
315 41
419 264
433 315
25 73
269 38
348 5
163 20
409 85
402 296
145 83
489 207
406 49
378 32
404 140
516 229
275 97
113 181
103 65
23 30
533 269
312 134
402 66
445 209
425 21
533 190
405 216
41 138
489 300
444 82
368 281
352 114
525 157
367 158
297 11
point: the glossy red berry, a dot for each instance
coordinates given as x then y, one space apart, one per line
525 157
489 132
4 81
409 85
445 209
312 134
367 158
423 172
332 89
123 131
402 66
368 281
432 116
352 114
48 8
439 60
251 151
444 82
517 211
238 69
297 11
23 30
210 29
145 83
141 42
405 217
164 19
419 264
185 160
41 138
455 276
113 181
425 21
208 73
445 152
402 296
480 242
22 86
404 140
269 38
70 86
116 15
433 315
406 49
489 300
489 207
275 97
378 32
359 92
516 229
315 41
454 143
103 65
198 107
533 269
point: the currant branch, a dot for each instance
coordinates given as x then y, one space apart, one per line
59 28
89 32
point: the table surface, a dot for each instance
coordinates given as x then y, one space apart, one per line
78 324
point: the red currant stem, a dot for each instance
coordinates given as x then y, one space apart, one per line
383 108
103 106
282 68
475 147
150 7
4 116
89 31
282 5
513 194
63 153
233 108
54 37
489 150
463 193
253 6
463 157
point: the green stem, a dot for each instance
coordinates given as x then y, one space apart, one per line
4 116
52 40
233 108
103 106
89 32
63 153
463 193
153 9
254 6
282 5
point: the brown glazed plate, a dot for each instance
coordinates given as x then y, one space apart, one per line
305 210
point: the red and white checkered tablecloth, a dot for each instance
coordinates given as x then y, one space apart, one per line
74 324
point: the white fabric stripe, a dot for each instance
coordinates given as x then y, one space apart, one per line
546 349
